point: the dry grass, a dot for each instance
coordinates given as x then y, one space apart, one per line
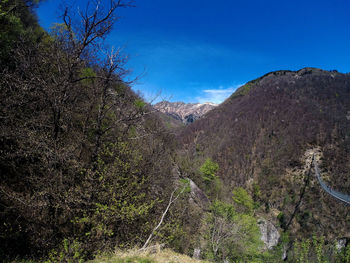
151 256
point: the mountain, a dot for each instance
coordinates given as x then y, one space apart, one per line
184 112
264 138
87 167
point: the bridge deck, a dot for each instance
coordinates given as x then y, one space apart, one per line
338 195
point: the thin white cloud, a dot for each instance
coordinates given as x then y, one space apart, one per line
216 95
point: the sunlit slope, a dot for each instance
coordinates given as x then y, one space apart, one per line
260 137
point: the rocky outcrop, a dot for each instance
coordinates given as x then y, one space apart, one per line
197 253
269 233
186 112
198 196
342 243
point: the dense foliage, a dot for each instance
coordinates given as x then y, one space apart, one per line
233 233
82 159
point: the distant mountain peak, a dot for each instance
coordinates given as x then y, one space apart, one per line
207 103
185 112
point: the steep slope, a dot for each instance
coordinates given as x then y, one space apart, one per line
262 135
184 112
82 157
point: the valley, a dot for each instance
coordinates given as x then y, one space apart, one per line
91 172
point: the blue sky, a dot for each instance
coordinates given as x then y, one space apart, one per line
202 50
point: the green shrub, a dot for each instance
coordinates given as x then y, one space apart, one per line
231 234
243 201
70 251
212 182
208 170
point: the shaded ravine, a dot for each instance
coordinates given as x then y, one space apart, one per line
338 195
301 196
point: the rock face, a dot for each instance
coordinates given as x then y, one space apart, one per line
269 233
198 196
185 112
197 253
342 243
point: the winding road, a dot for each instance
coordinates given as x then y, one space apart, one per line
338 195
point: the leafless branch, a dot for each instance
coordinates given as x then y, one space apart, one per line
171 201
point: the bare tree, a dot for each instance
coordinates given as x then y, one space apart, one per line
173 197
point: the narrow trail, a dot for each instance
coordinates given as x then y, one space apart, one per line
338 195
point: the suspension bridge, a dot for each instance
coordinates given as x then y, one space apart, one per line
338 195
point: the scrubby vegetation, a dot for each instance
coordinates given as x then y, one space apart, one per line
232 230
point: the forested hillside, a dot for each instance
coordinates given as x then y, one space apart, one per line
262 136
88 168
84 163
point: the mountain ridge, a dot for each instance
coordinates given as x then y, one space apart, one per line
185 112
